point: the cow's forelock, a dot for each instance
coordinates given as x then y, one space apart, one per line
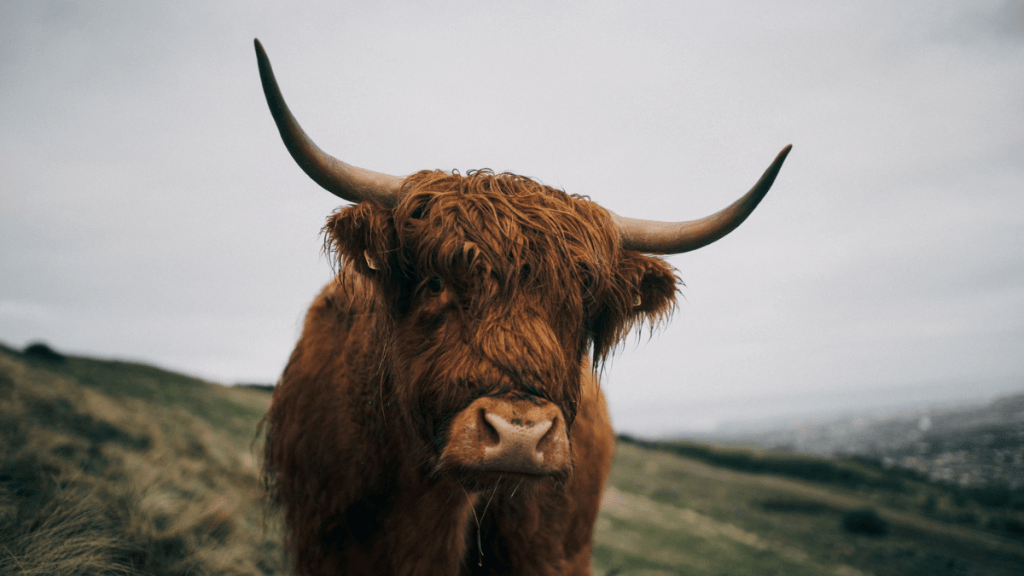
504 227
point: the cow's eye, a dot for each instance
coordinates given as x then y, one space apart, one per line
524 272
435 284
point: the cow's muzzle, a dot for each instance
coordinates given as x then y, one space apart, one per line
500 435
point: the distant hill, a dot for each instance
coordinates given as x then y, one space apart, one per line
970 446
112 467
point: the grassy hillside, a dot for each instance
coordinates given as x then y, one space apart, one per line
681 515
119 468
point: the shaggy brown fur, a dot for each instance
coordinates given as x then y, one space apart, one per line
472 286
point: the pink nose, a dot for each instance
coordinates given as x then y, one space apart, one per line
518 442
515 436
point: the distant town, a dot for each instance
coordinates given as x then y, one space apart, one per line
970 446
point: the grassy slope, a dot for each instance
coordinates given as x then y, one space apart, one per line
117 468
121 468
710 520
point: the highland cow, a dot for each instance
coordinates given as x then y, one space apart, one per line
441 412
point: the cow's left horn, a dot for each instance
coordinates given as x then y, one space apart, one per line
678 237
341 179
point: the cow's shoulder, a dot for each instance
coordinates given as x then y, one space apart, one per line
338 355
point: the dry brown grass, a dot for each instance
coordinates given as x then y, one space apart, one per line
91 484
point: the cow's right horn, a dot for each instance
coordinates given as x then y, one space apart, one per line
341 179
678 237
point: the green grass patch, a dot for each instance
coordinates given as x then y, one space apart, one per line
232 409
839 472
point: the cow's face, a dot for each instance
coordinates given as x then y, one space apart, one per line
498 289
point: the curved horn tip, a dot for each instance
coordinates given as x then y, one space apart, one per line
262 60
343 180
785 152
760 189
678 237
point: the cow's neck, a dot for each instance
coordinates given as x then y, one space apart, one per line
433 520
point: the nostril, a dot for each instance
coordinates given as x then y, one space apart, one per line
489 434
548 435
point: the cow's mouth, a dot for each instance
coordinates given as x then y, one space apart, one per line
509 483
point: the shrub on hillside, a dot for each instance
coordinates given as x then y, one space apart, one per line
1007 525
865 521
40 351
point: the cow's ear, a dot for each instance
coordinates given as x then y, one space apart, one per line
363 237
653 285
647 285
644 292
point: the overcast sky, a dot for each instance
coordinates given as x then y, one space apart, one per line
150 212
